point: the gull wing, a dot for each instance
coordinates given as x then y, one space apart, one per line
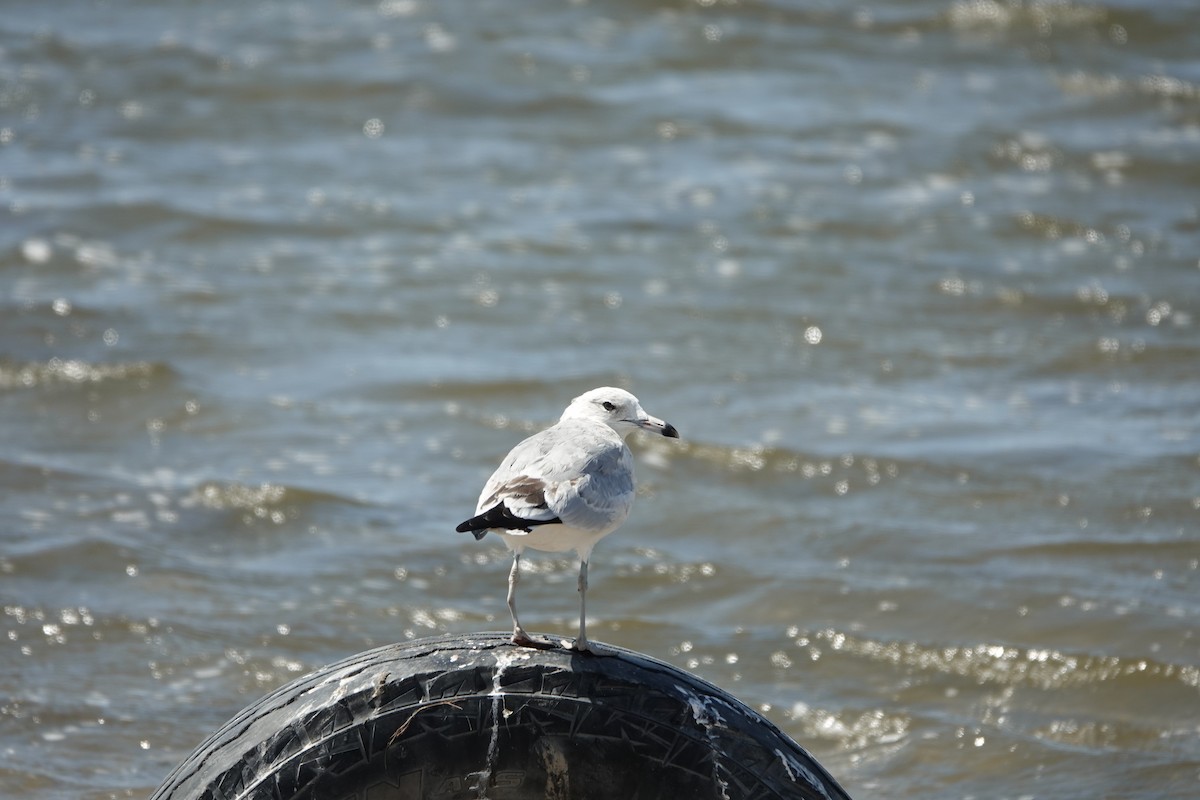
577 472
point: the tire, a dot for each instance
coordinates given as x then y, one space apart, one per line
475 716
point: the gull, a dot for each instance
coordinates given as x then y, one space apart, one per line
565 489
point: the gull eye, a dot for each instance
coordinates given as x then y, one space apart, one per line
608 406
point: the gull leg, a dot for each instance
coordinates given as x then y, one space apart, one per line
582 644
514 577
519 636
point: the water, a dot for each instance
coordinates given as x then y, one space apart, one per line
917 282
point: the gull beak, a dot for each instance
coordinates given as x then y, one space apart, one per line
656 425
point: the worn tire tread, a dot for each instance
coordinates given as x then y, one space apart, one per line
418 719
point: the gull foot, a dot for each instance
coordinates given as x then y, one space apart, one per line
523 639
586 646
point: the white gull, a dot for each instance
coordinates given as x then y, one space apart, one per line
565 489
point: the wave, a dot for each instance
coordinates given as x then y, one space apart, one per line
75 372
990 15
270 500
1007 665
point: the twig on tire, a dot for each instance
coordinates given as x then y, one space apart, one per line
404 727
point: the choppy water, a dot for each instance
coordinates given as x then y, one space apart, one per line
917 282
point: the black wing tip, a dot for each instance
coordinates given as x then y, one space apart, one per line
473 527
499 518
466 527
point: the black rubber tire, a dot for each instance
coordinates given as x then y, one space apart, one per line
475 716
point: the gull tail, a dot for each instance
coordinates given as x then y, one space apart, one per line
500 518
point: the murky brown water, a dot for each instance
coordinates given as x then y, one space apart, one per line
917 282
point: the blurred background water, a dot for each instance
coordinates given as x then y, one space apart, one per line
280 282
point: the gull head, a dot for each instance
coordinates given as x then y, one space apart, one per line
619 410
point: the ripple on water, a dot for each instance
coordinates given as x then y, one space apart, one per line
1005 665
75 372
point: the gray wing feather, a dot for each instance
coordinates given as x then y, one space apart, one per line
579 471
598 499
